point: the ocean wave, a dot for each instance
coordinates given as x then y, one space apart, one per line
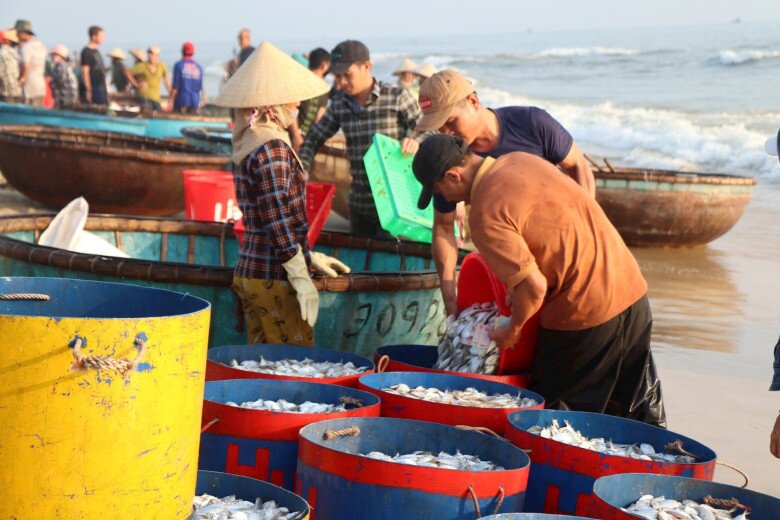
574 52
659 138
730 57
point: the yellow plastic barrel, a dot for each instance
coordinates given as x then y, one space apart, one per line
101 390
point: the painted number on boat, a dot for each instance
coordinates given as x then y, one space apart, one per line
408 318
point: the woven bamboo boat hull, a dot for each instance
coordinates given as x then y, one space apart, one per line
391 297
116 173
659 208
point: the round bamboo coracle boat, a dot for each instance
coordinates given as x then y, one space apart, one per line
391 296
664 208
116 173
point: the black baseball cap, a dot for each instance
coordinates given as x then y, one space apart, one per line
345 54
437 154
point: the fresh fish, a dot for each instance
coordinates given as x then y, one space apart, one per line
660 508
443 460
466 345
209 507
282 405
299 367
568 435
468 397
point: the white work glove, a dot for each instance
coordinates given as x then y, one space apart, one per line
328 265
308 298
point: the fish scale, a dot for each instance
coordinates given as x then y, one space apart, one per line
568 435
468 397
299 367
442 460
661 508
466 346
208 507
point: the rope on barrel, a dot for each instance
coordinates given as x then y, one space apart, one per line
122 366
721 503
25 296
381 365
678 446
499 501
350 401
352 431
480 429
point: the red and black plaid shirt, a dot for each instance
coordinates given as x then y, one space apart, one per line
271 191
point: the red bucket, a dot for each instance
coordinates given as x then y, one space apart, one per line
210 195
422 358
477 283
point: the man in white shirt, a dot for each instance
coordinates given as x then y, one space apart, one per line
33 63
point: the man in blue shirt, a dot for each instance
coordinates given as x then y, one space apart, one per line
450 105
187 82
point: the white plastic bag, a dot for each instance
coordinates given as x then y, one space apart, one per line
66 231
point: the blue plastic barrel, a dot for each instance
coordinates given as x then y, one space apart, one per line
394 405
616 491
219 359
263 444
222 485
562 476
341 484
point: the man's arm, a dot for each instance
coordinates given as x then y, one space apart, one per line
87 82
445 257
318 134
576 166
527 297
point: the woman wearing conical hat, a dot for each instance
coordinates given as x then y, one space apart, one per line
272 274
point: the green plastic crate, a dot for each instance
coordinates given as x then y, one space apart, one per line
396 191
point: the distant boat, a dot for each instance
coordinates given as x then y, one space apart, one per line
665 208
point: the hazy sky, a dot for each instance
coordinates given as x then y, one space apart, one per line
218 20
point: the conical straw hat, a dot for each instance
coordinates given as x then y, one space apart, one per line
406 66
270 77
425 70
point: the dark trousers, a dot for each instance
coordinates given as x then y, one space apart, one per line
604 369
99 95
366 224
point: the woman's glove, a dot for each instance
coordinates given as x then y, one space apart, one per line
328 265
308 298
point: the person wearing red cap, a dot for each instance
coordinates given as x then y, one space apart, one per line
187 82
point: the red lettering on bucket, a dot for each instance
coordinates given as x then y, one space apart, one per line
551 500
258 471
583 504
312 500
277 477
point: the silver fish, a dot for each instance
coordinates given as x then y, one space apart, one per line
299 367
468 397
282 405
568 435
443 460
208 507
661 508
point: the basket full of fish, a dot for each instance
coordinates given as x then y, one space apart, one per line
570 450
378 468
482 306
268 361
219 496
250 426
423 358
660 497
449 399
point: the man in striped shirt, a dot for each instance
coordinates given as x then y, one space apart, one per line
362 107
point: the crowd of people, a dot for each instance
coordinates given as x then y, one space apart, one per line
27 70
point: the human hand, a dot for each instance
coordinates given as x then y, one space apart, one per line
460 217
506 337
774 439
88 95
409 146
328 265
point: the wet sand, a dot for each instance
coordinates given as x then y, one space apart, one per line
716 322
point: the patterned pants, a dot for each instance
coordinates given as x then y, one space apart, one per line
272 313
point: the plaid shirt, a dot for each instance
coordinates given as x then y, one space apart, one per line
390 110
64 86
9 72
271 191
